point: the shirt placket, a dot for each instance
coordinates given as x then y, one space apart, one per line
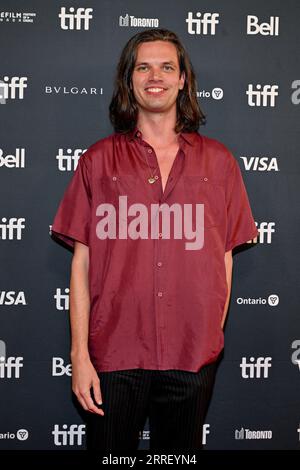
159 260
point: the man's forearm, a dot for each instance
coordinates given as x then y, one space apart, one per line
79 306
228 266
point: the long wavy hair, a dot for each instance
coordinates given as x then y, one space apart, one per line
123 109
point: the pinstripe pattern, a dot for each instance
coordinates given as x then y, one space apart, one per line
175 401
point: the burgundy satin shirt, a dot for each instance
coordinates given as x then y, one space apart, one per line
155 304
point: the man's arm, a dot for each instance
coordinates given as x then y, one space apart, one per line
84 375
228 266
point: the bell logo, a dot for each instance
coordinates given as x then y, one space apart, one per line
59 369
68 436
265 29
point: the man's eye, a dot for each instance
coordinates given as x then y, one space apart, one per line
142 67
168 67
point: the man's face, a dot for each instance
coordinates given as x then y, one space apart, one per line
156 78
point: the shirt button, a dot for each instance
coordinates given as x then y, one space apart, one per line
160 294
159 264
205 179
156 177
149 150
138 134
114 178
160 235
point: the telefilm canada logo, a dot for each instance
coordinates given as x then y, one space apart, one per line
17 17
146 434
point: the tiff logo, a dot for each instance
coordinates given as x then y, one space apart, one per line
265 29
265 230
74 20
69 160
295 358
262 96
13 161
11 228
10 367
205 25
12 88
68 437
59 369
253 369
205 432
62 300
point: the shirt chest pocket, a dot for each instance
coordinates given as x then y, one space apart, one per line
200 189
116 193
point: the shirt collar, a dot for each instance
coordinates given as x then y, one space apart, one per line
189 137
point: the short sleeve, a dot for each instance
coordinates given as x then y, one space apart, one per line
73 216
240 223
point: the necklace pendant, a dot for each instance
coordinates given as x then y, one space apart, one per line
151 180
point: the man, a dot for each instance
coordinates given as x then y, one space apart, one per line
148 302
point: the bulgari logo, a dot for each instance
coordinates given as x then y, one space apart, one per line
72 90
138 226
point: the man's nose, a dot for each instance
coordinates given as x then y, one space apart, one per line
155 73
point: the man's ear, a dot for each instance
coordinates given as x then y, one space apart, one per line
182 81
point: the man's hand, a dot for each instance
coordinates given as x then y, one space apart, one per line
85 378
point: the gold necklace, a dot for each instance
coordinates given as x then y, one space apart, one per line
152 178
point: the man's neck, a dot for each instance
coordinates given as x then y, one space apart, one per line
158 130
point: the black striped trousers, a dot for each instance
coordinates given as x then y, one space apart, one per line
175 401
